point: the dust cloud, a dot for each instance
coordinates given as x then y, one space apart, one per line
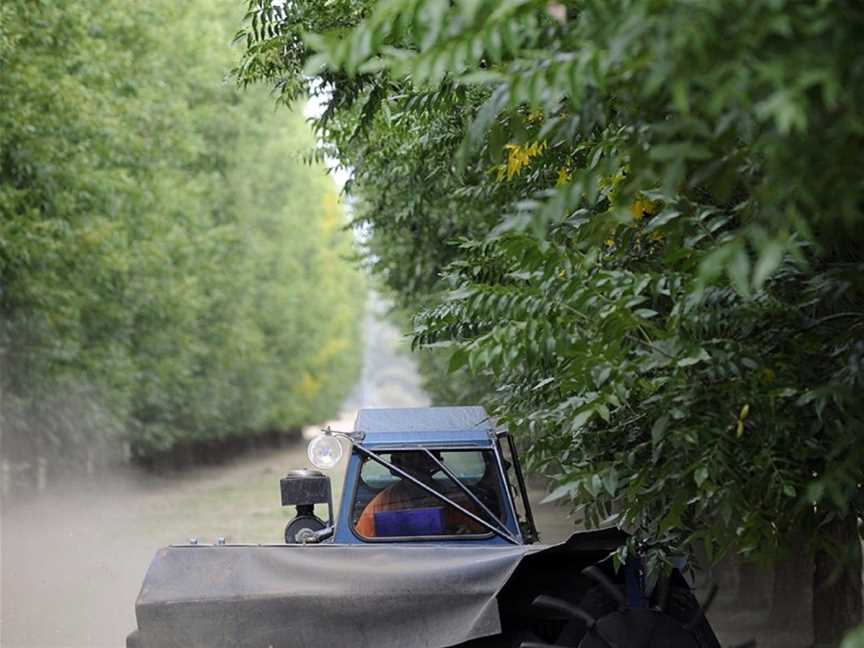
74 557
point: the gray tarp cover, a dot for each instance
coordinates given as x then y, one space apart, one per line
325 595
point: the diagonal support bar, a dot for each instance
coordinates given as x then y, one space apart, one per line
467 491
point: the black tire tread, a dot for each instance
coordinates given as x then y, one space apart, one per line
681 605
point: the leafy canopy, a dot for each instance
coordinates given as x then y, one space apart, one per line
636 223
170 271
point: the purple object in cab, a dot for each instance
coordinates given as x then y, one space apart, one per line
413 522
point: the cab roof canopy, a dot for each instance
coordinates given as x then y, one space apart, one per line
424 425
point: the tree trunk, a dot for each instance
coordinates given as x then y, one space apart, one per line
837 605
793 580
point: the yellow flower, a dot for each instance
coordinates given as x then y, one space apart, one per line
611 182
519 157
742 415
642 207
564 176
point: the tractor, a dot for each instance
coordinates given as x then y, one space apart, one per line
433 545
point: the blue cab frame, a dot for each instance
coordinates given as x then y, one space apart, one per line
479 437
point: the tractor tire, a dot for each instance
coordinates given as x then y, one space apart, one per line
681 605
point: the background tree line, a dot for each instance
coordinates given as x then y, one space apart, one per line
633 227
171 273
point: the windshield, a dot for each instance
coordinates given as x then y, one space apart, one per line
389 506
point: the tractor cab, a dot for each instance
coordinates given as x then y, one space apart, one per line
442 474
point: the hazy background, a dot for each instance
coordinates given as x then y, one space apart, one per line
74 556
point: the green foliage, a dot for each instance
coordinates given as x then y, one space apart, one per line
854 639
169 270
638 223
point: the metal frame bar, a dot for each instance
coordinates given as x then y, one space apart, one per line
468 492
511 491
439 447
517 467
435 494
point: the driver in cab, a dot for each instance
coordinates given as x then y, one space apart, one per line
405 496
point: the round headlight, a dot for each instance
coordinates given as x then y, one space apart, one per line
324 451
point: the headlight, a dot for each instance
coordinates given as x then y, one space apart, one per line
324 451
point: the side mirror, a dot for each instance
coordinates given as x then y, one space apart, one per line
304 489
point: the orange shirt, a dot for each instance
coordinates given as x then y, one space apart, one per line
403 496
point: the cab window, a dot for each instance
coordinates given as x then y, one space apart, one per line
388 506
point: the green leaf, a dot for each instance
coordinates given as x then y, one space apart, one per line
645 313
610 482
671 520
659 429
769 260
581 419
701 355
739 271
594 485
562 491
601 375
458 359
